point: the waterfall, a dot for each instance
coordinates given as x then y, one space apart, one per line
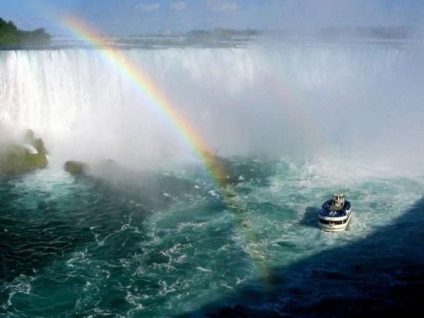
273 100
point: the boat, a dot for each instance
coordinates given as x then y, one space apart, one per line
335 214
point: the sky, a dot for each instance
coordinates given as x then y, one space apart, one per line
126 17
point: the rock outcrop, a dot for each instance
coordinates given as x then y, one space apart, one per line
104 167
37 143
16 157
76 167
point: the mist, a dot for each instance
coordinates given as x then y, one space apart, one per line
357 102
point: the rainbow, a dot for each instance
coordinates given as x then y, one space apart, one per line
164 107
156 98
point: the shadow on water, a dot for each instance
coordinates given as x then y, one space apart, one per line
381 274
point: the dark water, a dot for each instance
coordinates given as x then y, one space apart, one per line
85 246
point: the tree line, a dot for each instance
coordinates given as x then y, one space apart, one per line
11 36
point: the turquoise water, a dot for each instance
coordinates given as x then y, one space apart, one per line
292 123
178 245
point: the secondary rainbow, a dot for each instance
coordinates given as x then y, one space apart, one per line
156 98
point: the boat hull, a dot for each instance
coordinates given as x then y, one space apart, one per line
334 223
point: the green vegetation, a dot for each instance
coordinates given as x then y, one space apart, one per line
17 159
11 36
27 155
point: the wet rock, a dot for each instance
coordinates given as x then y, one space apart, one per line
76 167
16 158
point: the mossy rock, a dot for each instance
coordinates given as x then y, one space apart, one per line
76 167
37 143
15 158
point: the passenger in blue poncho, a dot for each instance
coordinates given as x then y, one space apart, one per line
337 204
